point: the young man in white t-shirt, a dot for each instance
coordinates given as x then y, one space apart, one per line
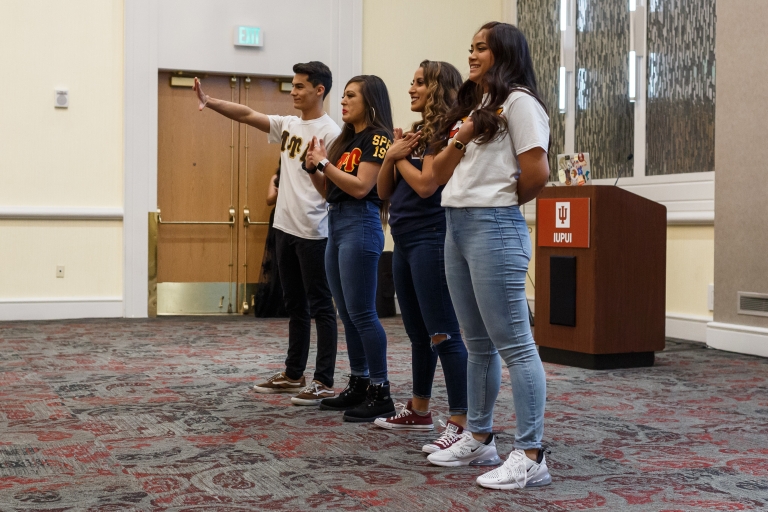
301 230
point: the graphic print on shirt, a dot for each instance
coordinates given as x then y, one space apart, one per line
456 127
460 122
292 144
349 161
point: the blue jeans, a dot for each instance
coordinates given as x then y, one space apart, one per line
427 310
487 251
355 243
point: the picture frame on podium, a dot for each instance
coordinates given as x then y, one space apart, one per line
574 169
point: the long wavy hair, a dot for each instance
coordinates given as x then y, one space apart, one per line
443 81
512 70
378 115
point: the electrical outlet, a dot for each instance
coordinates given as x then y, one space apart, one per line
60 271
711 297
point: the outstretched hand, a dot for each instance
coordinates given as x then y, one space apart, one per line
403 146
316 152
202 98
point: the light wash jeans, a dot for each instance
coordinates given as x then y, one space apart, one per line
487 251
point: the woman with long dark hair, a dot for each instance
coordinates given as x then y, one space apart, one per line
268 299
349 168
495 160
417 222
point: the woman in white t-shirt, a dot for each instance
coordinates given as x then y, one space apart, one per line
495 159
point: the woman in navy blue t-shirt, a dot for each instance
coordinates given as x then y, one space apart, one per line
417 222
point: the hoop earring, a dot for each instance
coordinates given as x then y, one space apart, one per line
374 115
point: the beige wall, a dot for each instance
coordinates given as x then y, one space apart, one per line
398 34
90 252
396 38
741 153
61 157
73 157
690 269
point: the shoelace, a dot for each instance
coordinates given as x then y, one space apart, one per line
275 377
347 390
402 411
313 388
459 448
449 436
374 395
514 469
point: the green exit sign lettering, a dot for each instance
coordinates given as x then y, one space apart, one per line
248 36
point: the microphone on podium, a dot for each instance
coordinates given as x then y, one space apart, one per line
629 158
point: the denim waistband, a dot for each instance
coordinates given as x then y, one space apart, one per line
353 206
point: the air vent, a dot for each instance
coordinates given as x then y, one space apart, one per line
753 303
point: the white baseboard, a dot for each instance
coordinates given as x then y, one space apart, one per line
687 327
738 338
60 308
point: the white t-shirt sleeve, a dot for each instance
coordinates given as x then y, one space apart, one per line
330 133
329 137
275 129
528 124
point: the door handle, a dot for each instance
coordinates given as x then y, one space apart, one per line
231 221
247 219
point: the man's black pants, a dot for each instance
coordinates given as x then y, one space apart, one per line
301 263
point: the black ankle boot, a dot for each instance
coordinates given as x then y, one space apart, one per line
352 396
378 404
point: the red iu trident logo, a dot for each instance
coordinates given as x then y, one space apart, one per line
563 210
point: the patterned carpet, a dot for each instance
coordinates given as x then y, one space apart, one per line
158 415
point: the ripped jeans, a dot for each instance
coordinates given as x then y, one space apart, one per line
427 310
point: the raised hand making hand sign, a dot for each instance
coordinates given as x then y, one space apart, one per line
202 98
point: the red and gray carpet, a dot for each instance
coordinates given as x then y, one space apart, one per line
159 415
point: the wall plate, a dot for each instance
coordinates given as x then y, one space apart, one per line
61 98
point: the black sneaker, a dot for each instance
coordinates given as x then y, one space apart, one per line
352 396
378 405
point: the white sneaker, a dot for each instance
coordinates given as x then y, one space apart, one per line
467 452
517 472
448 438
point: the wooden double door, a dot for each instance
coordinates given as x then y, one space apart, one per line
213 175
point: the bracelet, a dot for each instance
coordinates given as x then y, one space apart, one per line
308 171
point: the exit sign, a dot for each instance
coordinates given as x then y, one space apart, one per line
248 36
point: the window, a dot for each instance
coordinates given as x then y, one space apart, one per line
670 128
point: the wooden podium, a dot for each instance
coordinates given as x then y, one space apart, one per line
600 277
